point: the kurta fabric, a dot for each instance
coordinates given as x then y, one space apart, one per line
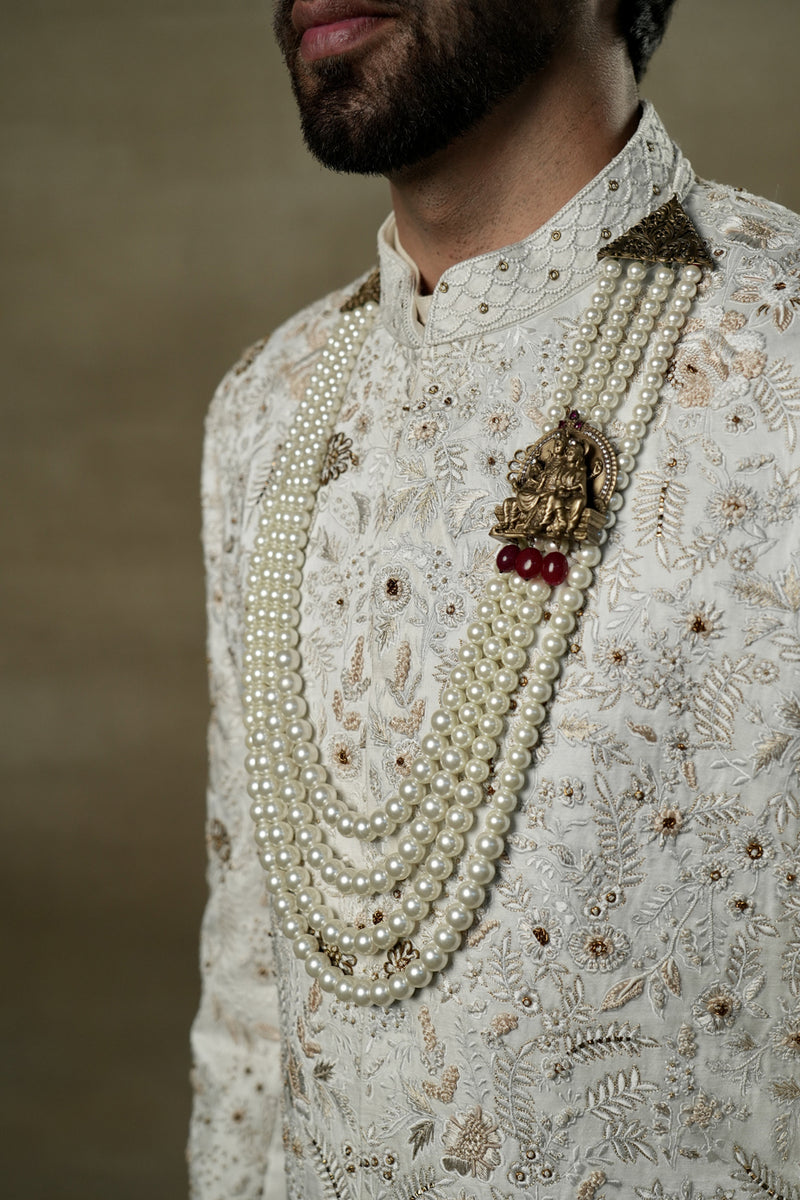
623 1019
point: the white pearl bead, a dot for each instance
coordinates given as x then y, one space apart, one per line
380 992
378 824
426 887
344 990
468 793
418 974
452 698
315 964
422 769
493 647
515 657
328 978
422 830
470 895
415 908
432 744
347 939
553 644
439 866
410 791
469 654
364 942
510 778
399 923
525 735
294 926
459 820
490 725
483 747
458 917
501 625
383 937
397 867
540 689
489 845
442 721
505 680
361 883
433 808
480 870
446 938
410 850
361 994
442 784
504 801
433 957
546 668
518 757
400 987
304 945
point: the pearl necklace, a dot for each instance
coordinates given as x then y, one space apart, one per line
452 813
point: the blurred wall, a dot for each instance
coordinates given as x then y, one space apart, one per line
161 213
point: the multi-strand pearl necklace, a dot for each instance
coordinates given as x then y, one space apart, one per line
452 813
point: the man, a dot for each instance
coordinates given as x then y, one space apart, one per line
522 912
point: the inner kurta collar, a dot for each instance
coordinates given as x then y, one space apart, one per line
510 285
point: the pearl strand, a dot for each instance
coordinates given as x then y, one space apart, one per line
283 761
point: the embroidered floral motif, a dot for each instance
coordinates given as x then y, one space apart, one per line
471 1143
599 948
786 1038
338 457
716 1008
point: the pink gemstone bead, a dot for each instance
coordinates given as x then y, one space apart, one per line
506 558
529 563
555 568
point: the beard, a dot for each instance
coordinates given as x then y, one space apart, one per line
434 74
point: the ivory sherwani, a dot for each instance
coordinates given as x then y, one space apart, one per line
623 1019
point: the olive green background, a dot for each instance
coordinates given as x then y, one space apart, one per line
160 213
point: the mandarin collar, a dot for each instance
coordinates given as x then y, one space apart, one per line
511 285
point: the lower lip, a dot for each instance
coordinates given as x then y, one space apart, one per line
325 41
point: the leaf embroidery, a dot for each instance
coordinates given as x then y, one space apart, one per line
623 992
718 698
777 392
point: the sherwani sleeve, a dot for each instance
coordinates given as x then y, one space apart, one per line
235 1146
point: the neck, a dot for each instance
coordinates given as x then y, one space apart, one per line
512 173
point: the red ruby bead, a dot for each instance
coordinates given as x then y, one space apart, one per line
529 563
555 568
506 558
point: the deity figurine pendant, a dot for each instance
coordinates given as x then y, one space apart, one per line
562 486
